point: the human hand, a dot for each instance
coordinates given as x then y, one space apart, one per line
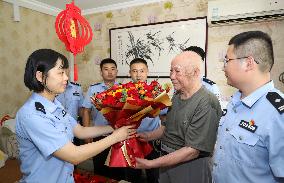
123 133
143 163
163 117
144 137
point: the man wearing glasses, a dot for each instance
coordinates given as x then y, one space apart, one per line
250 144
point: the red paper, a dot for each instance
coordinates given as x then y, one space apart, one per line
74 31
128 104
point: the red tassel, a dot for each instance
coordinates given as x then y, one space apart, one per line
75 70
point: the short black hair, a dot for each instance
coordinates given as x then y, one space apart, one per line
138 60
197 50
41 60
257 44
107 61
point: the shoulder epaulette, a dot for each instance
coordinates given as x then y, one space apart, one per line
40 107
276 100
95 84
75 83
208 81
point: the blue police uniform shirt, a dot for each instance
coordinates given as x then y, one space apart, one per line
72 99
250 144
42 127
149 124
98 118
211 86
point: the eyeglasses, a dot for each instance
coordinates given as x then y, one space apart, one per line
226 60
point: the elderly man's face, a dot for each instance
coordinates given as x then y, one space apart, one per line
179 74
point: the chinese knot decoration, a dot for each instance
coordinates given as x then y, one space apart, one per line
74 30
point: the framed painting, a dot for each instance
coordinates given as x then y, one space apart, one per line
156 43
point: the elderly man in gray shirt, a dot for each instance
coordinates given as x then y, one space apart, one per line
189 133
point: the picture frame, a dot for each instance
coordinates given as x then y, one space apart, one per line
157 43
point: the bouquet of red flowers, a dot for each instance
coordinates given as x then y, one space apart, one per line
128 104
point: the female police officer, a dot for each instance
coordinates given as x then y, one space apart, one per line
44 129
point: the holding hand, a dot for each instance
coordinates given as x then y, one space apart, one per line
125 132
143 137
143 163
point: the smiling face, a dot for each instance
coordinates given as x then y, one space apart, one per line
234 69
178 74
138 72
183 72
55 81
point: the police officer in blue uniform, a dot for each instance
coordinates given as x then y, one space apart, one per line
250 144
139 72
92 117
45 130
72 99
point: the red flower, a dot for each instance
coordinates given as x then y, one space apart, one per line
128 104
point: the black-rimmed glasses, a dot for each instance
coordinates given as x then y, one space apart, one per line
226 60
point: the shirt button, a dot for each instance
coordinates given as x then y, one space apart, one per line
221 147
71 174
215 164
227 129
240 137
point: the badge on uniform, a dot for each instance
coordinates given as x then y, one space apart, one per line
64 112
224 112
250 126
76 94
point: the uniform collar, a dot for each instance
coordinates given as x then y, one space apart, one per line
105 86
48 105
250 100
69 85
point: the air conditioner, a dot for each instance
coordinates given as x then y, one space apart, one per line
226 12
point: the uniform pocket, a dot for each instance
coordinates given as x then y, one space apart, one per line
61 127
74 97
245 147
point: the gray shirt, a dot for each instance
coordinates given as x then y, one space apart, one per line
193 122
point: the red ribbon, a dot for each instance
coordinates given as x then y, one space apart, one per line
123 154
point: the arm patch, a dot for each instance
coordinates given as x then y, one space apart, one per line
276 100
40 107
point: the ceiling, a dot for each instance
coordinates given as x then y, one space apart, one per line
53 7
85 4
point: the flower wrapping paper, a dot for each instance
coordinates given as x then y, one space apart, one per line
88 178
128 104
